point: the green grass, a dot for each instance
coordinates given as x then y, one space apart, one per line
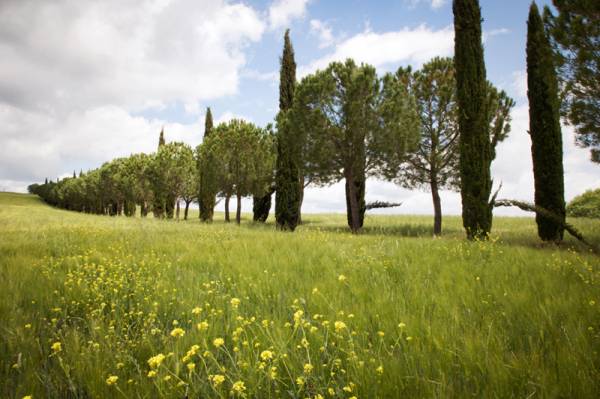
506 318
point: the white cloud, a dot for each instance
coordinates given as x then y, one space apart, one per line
518 86
323 31
133 54
408 45
74 74
435 4
282 12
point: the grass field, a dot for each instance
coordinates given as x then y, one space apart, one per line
100 307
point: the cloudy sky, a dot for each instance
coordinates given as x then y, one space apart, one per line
82 82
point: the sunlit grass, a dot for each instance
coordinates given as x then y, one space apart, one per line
94 306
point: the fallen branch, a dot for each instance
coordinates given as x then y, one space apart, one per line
382 204
526 206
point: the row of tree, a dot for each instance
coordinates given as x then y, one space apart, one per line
436 127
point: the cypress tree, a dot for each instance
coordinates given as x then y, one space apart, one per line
287 178
544 128
206 201
161 138
208 122
74 175
475 147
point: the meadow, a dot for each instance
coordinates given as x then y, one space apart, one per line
109 307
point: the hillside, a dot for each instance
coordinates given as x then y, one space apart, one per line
94 306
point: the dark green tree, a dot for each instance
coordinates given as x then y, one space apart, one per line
575 35
207 193
353 125
474 139
287 177
544 128
161 138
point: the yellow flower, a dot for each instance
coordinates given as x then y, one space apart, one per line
177 332
341 278
592 302
151 374
235 302
28 397
27 326
308 368
300 381
298 317
273 373
315 290
339 326
167 378
202 326
401 325
218 342
155 361
380 333
120 365
56 347
197 310
379 369
266 355
191 367
331 391
112 380
217 379
238 387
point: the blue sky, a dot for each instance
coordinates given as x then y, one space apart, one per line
84 82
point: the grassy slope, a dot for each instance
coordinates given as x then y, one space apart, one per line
509 318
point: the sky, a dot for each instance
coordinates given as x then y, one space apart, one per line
86 81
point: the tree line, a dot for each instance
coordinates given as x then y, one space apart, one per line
436 128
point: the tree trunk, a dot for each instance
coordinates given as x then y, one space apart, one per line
144 209
437 209
227 207
187 208
177 209
238 211
353 222
300 201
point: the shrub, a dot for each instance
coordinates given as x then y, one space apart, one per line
585 205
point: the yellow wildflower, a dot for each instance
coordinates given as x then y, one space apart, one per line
235 302
197 310
339 326
300 381
266 355
379 369
151 374
238 387
202 326
177 332
155 361
308 368
218 342
217 379
191 367
112 380
56 347
341 278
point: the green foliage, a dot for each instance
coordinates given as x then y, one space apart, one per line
350 124
435 164
586 205
288 177
474 144
544 128
575 31
170 172
243 161
504 318
207 186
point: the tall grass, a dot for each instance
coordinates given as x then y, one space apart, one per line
90 305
